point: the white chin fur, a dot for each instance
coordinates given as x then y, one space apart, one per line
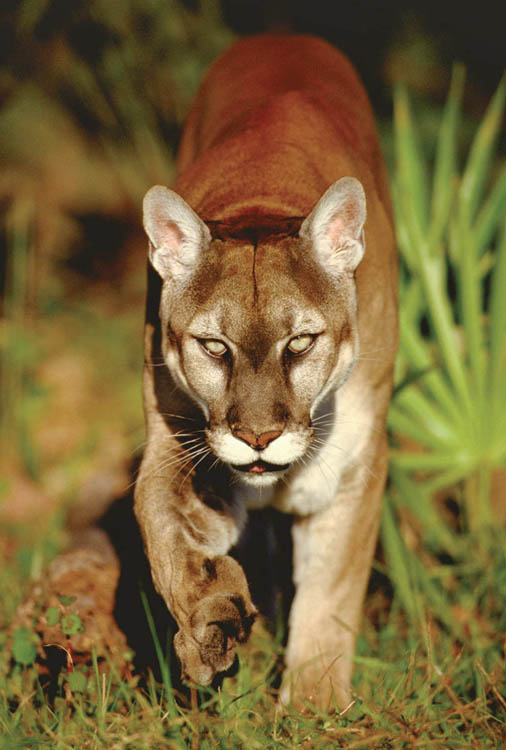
267 479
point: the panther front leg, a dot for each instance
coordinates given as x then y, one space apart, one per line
333 550
214 624
205 590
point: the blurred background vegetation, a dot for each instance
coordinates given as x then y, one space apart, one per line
93 95
92 99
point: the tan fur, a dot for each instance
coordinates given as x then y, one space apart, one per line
236 416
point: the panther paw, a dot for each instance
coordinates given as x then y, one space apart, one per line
207 644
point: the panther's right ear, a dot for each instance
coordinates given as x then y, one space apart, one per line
335 226
177 236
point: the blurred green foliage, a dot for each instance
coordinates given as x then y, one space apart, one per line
451 398
92 99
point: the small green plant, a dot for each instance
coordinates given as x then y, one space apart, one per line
450 402
24 646
70 623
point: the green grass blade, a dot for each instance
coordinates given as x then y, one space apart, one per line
418 354
397 561
401 234
424 415
471 304
410 161
428 462
403 425
162 661
435 599
433 275
481 153
490 214
18 348
445 167
417 497
411 194
497 326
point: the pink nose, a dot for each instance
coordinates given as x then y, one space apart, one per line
257 441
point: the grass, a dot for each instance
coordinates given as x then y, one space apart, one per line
430 663
414 688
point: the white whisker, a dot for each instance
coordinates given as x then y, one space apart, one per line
214 463
207 452
171 461
374 351
346 453
137 448
179 416
318 458
154 364
322 416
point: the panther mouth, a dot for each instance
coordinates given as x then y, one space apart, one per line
260 467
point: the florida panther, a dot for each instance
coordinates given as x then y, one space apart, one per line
272 267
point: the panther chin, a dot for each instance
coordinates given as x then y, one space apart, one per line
260 473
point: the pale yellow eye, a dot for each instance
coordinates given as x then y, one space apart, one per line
214 347
300 344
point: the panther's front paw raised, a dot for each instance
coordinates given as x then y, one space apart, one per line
207 645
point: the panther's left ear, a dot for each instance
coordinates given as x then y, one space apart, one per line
335 226
177 236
